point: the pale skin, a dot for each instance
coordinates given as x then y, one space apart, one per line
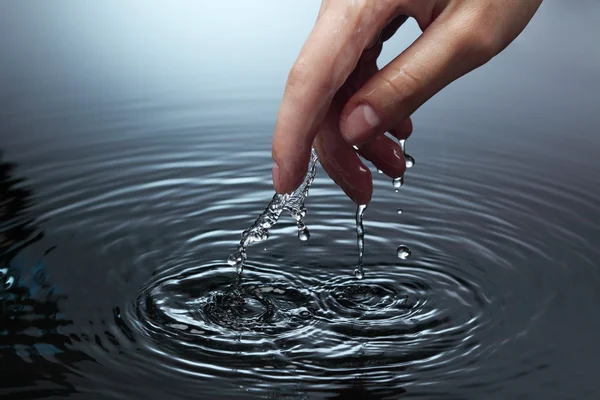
336 97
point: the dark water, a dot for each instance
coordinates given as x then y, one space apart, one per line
136 148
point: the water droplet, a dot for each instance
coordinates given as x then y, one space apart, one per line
231 260
379 171
398 182
359 273
410 161
295 213
304 234
399 211
403 252
355 147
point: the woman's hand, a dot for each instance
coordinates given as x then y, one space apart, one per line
336 96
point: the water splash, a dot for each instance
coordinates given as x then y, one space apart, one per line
259 231
294 203
360 240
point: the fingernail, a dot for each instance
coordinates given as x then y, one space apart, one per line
360 123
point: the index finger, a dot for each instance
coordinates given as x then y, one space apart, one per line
327 58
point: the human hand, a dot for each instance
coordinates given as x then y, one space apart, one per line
336 97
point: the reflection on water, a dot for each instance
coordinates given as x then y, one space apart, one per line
34 353
121 196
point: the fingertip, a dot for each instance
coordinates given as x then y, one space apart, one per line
362 197
344 167
286 180
386 155
360 191
275 172
403 130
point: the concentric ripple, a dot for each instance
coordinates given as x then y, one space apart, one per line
473 289
207 301
325 323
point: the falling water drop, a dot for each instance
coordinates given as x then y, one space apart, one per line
403 252
398 182
359 273
379 171
231 260
304 234
410 161
399 211
360 240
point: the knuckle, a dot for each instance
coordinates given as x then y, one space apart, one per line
302 79
482 44
478 40
402 82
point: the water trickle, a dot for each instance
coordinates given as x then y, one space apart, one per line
360 240
410 161
294 203
403 252
402 143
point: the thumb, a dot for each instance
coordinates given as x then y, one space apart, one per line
448 48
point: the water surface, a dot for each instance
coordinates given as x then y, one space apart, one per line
136 148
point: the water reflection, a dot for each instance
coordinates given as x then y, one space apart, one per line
17 230
36 359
